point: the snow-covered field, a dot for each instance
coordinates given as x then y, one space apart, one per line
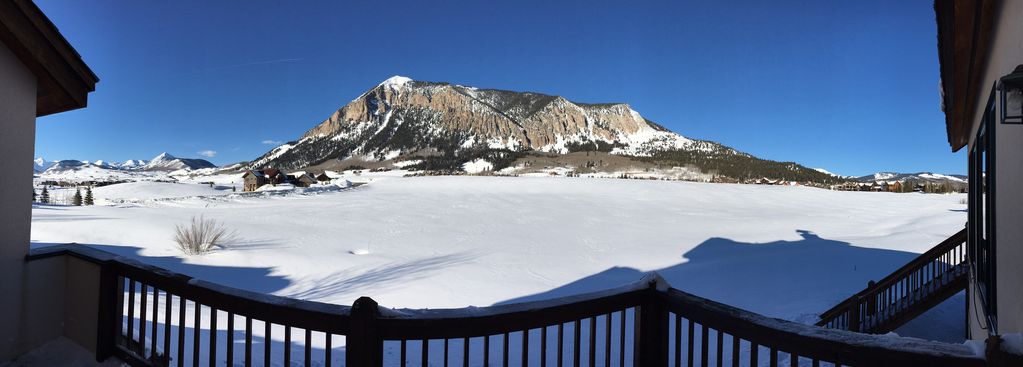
447 242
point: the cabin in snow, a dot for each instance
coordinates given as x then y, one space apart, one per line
254 179
322 177
301 179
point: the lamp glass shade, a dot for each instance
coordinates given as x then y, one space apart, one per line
1014 103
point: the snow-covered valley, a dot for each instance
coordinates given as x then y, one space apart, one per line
448 242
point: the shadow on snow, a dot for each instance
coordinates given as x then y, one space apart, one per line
793 280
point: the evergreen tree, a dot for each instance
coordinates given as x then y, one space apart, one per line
34 195
77 201
88 196
45 196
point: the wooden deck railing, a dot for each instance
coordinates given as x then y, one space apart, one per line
929 279
144 315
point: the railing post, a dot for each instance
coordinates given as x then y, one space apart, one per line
651 331
364 346
871 306
854 315
106 321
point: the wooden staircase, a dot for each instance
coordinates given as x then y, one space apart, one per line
923 283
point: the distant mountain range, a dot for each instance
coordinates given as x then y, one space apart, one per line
444 127
161 163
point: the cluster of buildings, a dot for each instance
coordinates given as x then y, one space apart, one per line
877 186
254 179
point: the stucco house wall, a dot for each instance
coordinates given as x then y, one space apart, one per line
1006 53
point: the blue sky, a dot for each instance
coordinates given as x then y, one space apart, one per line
850 86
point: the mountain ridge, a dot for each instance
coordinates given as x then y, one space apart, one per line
443 126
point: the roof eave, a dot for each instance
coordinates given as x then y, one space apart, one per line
964 34
64 80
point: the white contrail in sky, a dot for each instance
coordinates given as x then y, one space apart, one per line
254 63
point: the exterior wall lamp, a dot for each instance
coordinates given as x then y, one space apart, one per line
1011 87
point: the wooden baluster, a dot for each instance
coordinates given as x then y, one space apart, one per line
465 352
197 333
486 350
403 357
754 349
678 340
592 358
735 351
720 354
328 350
691 341
561 344
140 348
576 342
445 352
308 347
267 341
543 346
607 340
181 331
230 339
287 346
425 352
153 328
131 314
248 342
213 336
504 350
167 326
704 347
525 348
621 338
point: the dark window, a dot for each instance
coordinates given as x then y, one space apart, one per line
981 221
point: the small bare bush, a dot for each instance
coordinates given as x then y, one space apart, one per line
202 236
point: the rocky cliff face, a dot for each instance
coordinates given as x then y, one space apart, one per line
401 116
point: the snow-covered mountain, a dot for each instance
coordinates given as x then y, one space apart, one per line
132 164
450 125
402 116
919 176
167 162
41 164
75 170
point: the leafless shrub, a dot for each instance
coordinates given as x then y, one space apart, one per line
963 201
202 236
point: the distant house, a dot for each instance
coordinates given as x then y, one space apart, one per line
274 176
301 180
322 177
254 179
846 186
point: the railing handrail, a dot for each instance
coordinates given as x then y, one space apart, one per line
923 259
820 343
366 331
272 308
